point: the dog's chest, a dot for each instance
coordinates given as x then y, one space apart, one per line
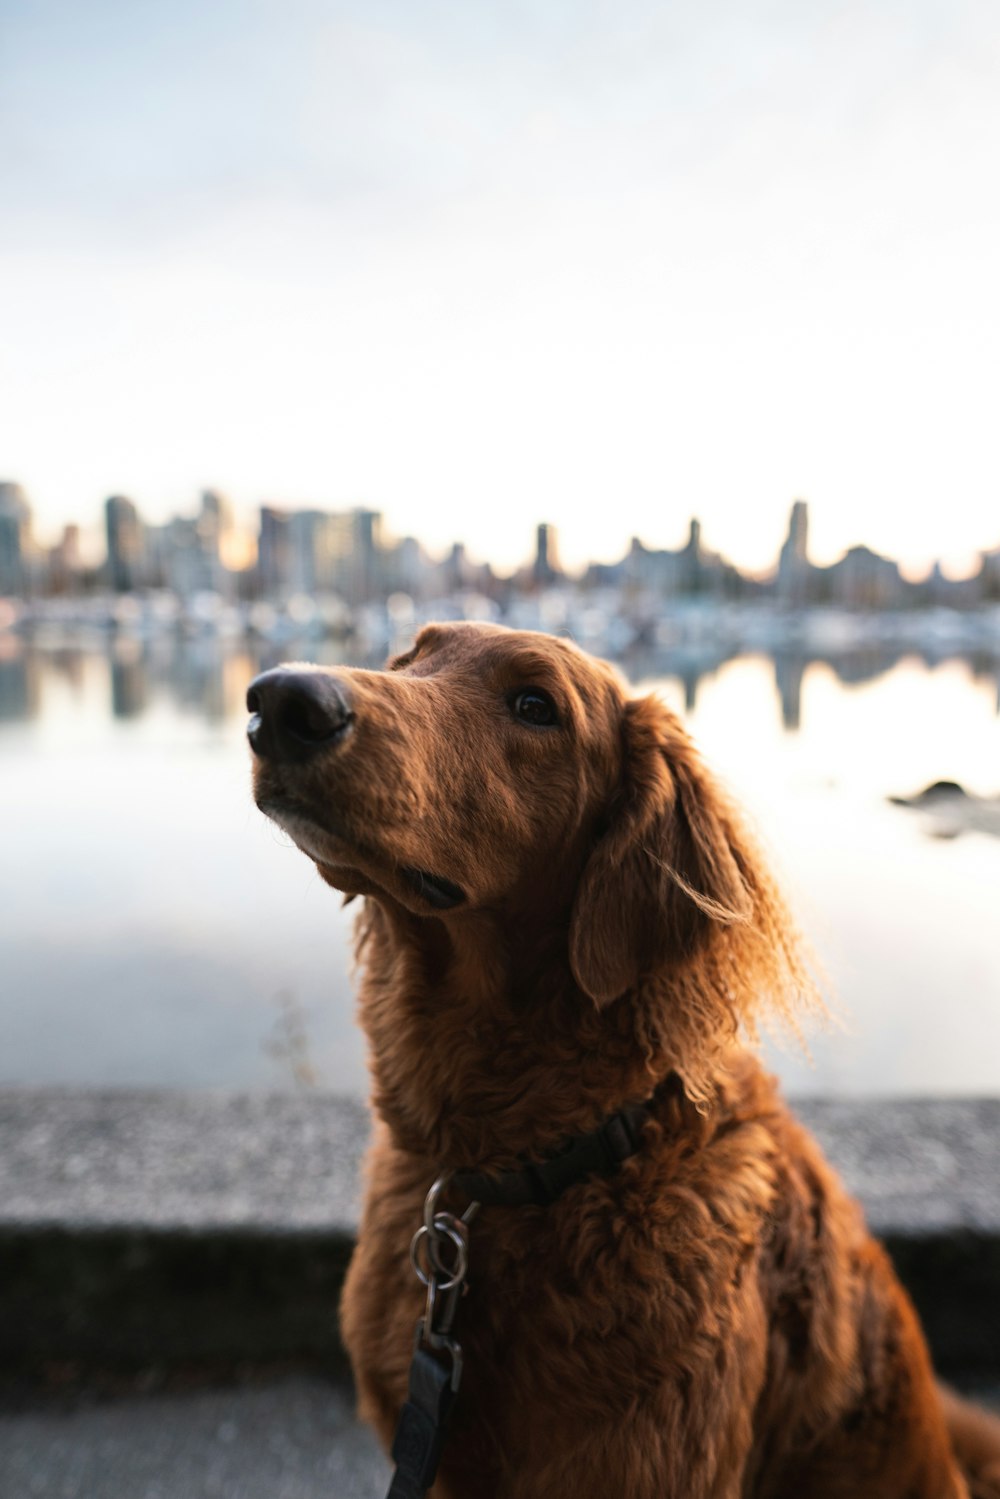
612 1277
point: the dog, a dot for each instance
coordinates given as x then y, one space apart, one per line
565 918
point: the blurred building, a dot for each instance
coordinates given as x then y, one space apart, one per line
64 562
124 532
456 572
862 579
988 578
795 572
939 590
335 553
546 566
174 557
214 523
698 568
273 552
357 549
15 539
690 570
309 552
185 555
406 568
316 551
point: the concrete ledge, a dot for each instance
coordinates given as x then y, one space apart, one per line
197 1162
170 1229
919 1166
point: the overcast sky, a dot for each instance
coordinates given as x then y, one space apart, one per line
482 264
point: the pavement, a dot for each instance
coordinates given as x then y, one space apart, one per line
292 1439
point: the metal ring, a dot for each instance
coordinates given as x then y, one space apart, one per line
457 1273
430 1201
447 1226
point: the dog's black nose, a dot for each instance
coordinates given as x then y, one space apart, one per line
295 714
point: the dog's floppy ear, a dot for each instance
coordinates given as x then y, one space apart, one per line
668 868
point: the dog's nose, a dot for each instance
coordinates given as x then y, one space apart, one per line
295 714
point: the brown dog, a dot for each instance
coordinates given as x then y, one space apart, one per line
564 916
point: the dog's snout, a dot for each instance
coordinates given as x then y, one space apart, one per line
295 714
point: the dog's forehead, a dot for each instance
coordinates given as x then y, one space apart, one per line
488 648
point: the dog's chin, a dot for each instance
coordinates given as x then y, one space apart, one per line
346 867
318 842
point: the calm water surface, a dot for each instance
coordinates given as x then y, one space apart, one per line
155 930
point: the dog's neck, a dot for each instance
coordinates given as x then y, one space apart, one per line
483 1048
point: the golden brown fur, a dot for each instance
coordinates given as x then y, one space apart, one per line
713 1320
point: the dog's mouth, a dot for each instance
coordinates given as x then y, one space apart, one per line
438 892
327 845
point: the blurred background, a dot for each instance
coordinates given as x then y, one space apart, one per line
669 328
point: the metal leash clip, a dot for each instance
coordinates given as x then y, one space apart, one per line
439 1254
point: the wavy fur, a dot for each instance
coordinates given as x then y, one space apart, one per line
714 1321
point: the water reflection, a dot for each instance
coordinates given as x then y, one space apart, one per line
209 677
155 930
789 671
20 673
129 685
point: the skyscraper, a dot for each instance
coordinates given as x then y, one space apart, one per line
213 523
15 538
354 543
273 551
546 568
126 544
794 566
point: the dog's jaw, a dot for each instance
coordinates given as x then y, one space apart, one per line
351 869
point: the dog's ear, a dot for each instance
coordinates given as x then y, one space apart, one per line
669 868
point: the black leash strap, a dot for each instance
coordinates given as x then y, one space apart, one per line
439 1254
416 1447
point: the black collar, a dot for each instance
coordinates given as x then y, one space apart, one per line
598 1153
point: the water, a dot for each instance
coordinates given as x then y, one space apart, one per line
156 931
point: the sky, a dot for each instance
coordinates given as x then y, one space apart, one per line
608 265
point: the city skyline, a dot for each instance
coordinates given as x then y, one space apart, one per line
955 563
353 555
480 266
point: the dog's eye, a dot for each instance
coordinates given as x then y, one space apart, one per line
535 707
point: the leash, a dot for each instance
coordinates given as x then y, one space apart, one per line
439 1254
436 1366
